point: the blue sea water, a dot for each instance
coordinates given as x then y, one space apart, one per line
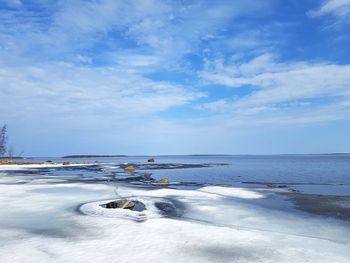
317 173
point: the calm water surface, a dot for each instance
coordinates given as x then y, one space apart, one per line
286 169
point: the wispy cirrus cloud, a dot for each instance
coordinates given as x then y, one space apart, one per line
168 29
86 56
297 86
339 10
58 89
154 35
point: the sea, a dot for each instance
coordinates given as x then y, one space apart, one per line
311 173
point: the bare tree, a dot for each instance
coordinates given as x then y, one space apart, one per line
10 152
20 153
3 140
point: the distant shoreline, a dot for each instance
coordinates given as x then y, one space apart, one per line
175 155
91 156
202 155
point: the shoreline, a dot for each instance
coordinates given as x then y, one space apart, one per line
10 167
324 205
48 207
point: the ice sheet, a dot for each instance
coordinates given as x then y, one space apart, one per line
10 167
41 223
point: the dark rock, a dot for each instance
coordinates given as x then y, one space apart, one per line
125 204
150 160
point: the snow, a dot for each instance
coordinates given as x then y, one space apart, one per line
11 167
40 222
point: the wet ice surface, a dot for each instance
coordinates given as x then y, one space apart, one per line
54 215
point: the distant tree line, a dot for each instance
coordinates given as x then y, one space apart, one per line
6 151
3 140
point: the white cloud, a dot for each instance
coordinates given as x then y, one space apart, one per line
291 88
161 28
62 67
280 82
339 9
66 89
92 16
13 3
89 63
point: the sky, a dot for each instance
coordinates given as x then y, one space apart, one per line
175 77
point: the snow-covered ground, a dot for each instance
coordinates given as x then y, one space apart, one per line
40 221
14 167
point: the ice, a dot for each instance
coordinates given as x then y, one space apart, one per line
220 208
40 222
232 192
11 167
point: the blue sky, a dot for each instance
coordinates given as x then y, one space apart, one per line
175 77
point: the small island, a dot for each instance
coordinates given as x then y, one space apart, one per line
92 156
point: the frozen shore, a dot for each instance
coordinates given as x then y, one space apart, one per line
12 167
55 215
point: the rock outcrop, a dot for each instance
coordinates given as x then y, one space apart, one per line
130 169
125 204
164 181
